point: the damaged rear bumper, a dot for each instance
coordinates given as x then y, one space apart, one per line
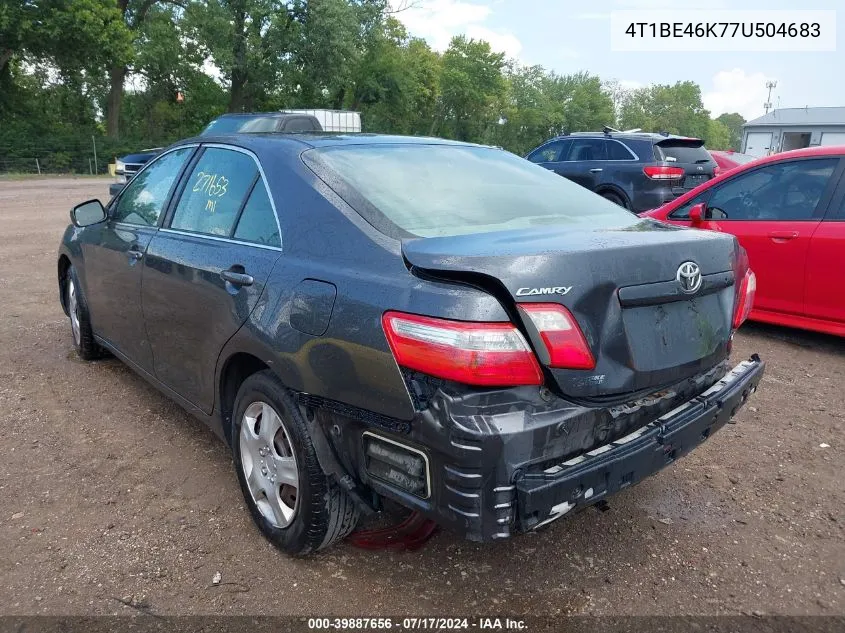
500 462
545 496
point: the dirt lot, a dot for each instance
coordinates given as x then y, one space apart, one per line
110 494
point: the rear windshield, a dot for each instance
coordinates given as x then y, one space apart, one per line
234 124
681 151
443 190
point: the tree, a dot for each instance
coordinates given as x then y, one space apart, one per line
396 81
676 109
718 135
133 14
734 123
471 87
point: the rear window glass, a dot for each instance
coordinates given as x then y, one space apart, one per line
682 152
444 190
236 124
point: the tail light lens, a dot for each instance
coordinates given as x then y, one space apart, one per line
559 330
663 172
491 354
716 170
745 298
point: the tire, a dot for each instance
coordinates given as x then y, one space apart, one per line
301 519
80 321
615 198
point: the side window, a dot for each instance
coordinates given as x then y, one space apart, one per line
617 151
215 191
682 212
549 153
144 198
784 191
586 149
258 220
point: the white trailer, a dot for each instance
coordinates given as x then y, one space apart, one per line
334 120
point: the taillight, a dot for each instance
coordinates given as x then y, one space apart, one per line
559 330
491 354
716 170
663 172
745 298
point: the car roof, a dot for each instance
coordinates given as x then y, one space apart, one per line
235 115
643 136
266 140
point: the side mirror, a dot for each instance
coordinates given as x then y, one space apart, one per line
87 213
696 214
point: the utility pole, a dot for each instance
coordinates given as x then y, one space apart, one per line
770 85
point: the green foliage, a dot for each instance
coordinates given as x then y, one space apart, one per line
471 84
75 72
676 109
718 135
734 123
539 105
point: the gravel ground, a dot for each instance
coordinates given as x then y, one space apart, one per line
113 500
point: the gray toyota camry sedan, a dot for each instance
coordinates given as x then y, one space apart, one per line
448 326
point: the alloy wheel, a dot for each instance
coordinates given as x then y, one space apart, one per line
269 464
73 310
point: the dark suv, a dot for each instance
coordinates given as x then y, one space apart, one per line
636 170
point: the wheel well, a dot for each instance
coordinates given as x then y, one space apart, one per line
238 368
64 265
615 192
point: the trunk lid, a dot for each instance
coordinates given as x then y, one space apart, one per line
689 154
620 284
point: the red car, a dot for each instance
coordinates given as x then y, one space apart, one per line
728 159
788 211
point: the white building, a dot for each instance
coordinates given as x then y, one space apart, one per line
793 128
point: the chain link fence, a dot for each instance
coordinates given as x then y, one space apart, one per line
83 155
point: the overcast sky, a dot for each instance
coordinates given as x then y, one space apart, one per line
567 36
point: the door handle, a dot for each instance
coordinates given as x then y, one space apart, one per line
237 278
595 170
783 236
134 254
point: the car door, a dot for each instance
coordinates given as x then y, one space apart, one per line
824 288
774 211
113 258
206 268
584 161
549 155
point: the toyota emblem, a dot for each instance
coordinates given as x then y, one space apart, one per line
689 277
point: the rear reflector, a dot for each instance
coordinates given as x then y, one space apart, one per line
559 330
745 298
490 354
662 172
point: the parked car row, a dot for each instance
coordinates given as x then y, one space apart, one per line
788 209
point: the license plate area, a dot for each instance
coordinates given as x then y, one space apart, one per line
671 334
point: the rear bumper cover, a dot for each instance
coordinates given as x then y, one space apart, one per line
544 497
507 461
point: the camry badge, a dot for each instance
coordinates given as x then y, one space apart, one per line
555 290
